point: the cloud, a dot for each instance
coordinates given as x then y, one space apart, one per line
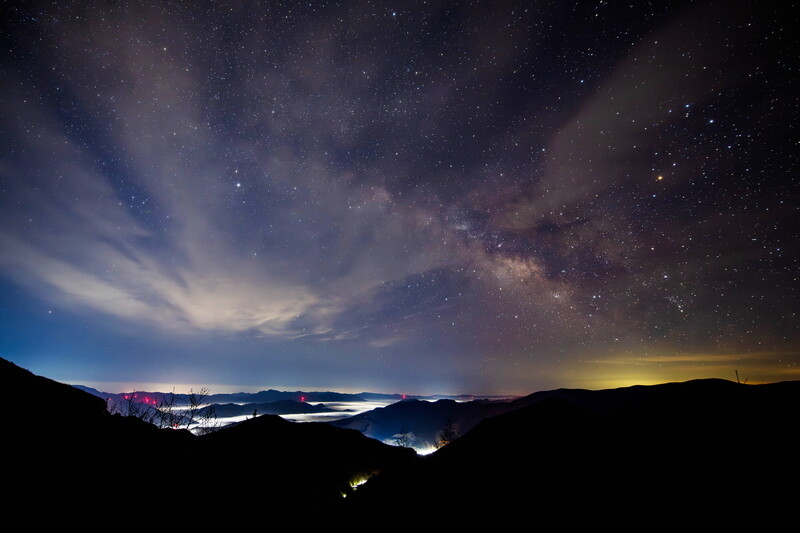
190 227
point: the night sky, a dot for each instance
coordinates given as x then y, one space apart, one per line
453 197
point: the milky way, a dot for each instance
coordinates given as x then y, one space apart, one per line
492 197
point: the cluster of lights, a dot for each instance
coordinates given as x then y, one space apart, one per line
146 399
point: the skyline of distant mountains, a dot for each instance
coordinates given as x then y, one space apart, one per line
273 395
422 417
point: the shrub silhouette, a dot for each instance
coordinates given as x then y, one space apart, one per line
447 435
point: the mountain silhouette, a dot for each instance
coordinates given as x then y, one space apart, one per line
281 407
423 419
624 456
261 397
703 453
65 452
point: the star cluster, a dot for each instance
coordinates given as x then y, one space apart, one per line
451 197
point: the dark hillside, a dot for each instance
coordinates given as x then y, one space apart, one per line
424 420
65 452
707 447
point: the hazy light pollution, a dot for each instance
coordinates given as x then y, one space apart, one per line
483 197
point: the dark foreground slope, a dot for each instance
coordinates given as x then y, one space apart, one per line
76 461
707 449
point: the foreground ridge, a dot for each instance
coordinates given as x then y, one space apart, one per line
679 450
